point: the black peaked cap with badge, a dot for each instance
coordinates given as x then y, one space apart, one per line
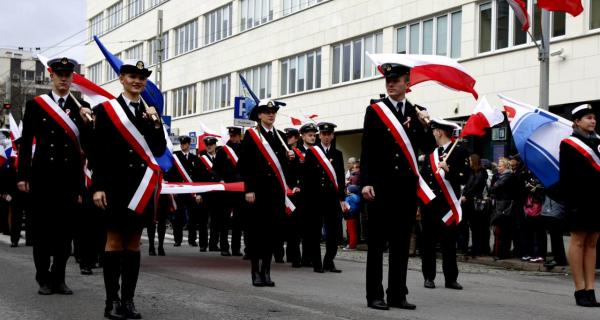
291 132
63 64
326 127
394 70
580 111
185 139
132 66
209 140
307 127
234 130
265 105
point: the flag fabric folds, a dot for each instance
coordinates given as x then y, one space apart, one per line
443 70
520 9
572 7
537 135
484 116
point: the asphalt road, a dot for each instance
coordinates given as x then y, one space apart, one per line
187 284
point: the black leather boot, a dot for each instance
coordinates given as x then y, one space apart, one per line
265 271
582 299
130 273
111 264
257 279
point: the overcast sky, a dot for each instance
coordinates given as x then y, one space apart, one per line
44 23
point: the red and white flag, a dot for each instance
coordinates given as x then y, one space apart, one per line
572 7
92 91
15 133
204 132
520 9
484 116
443 70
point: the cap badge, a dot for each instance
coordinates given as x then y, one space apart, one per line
140 65
64 60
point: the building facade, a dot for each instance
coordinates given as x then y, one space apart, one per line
312 55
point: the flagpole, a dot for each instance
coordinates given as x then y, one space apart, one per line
544 57
79 105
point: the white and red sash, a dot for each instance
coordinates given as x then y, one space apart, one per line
326 164
207 163
231 155
299 154
200 187
584 150
152 177
455 212
60 116
397 131
88 175
273 162
181 169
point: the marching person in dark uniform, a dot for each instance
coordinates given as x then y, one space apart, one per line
308 135
54 177
212 208
263 163
455 164
322 182
120 167
290 238
390 181
226 164
187 207
579 179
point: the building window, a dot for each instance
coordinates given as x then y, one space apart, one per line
217 24
27 75
135 8
439 35
111 74
95 73
154 3
301 73
153 49
96 25
186 37
136 52
184 101
255 12
115 15
499 28
291 6
594 14
350 61
165 104
216 93
259 80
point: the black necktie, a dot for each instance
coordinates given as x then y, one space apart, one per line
399 107
136 107
441 153
61 103
270 134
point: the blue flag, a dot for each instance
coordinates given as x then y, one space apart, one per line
151 95
537 135
251 100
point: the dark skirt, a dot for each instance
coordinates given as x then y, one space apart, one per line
584 220
124 220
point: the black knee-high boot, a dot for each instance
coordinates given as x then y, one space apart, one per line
265 271
111 265
162 229
129 277
257 279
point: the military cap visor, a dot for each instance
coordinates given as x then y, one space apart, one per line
309 127
185 139
265 105
326 127
581 111
135 67
292 132
234 130
445 125
210 140
62 64
394 70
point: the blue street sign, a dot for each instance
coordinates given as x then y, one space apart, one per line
194 140
240 113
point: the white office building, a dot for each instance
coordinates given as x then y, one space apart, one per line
312 54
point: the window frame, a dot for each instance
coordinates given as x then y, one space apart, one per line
316 54
434 36
255 76
211 99
376 36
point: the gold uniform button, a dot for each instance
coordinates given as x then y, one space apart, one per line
44 119
66 145
130 151
51 159
131 165
142 165
52 145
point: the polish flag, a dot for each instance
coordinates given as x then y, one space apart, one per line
95 94
443 70
484 116
572 7
296 121
520 9
307 118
